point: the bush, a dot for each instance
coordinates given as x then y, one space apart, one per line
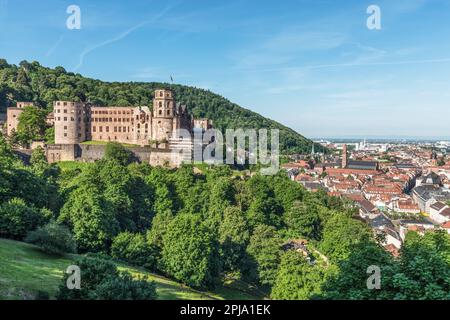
124 287
118 152
100 280
53 239
134 249
17 218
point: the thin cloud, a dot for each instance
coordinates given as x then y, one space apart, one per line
54 47
121 35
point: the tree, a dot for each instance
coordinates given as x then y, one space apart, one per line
31 125
424 268
102 281
90 216
303 221
233 238
265 250
118 152
17 218
296 279
133 249
53 239
340 234
190 252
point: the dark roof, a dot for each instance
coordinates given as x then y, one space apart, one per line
365 165
438 206
405 222
405 166
380 221
313 185
431 178
445 213
366 205
427 192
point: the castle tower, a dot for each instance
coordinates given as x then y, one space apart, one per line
344 156
163 114
70 122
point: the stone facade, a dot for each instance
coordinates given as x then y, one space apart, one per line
77 122
153 132
12 116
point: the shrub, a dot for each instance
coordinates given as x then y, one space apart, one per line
124 287
100 280
17 218
53 239
133 248
118 152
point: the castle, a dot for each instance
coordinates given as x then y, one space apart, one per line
152 132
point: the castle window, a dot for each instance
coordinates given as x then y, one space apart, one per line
65 110
100 129
94 129
168 112
115 129
65 127
107 129
160 94
160 104
65 103
65 134
120 129
72 119
160 112
65 118
124 129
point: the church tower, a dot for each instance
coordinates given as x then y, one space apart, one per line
163 113
344 156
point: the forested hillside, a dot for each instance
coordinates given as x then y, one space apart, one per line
204 227
33 82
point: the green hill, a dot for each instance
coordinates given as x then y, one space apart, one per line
33 82
25 270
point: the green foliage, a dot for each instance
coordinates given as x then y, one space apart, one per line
190 252
102 281
234 237
133 249
116 151
17 218
53 239
31 125
340 234
303 221
44 85
296 279
424 268
265 250
90 217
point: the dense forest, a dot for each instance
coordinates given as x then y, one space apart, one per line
203 226
33 82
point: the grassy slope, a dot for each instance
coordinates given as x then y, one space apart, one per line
25 270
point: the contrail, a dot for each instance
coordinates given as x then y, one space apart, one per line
121 35
356 64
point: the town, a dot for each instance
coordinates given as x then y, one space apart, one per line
396 186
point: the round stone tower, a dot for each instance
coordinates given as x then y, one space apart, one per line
70 122
163 113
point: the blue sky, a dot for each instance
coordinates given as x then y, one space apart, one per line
310 64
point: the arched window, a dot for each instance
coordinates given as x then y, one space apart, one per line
160 104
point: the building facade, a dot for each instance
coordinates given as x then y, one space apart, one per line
76 122
12 116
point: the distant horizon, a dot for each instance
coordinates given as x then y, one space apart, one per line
314 66
369 138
